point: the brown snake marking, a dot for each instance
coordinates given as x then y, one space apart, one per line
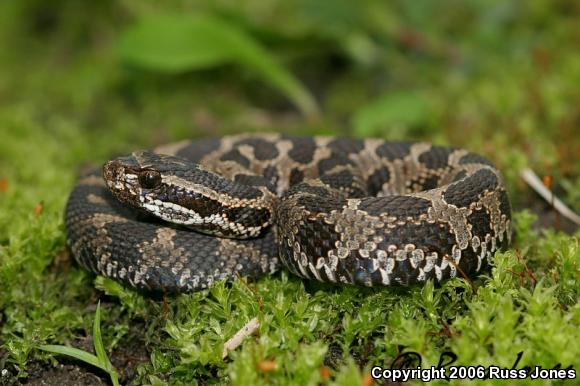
339 210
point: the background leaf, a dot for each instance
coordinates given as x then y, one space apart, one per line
392 114
175 44
179 43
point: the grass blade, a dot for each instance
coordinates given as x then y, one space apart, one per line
75 353
100 360
97 340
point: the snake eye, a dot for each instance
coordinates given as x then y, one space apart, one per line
149 179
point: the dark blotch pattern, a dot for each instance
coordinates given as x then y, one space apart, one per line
263 150
504 204
236 156
196 150
394 150
296 177
271 174
253 180
377 179
342 179
430 183
320 204
480 222
333 161
475 159
463 193
397 206
460 175
309 189
317 239
303 150
346 146
218 184
346 183
436 158
430 237
418 185
245 191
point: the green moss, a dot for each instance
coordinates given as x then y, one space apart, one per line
499 78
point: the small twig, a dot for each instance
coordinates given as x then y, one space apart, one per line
249 328
165 306
536 183
446 332
529 272
463 274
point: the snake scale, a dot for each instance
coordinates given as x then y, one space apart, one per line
332 209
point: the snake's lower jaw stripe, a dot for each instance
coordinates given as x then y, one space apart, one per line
364 212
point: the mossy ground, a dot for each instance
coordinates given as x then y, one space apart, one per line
498 77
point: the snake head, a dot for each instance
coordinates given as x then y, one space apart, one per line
182 192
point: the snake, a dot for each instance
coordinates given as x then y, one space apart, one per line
370 212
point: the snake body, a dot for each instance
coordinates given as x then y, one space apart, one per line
366 212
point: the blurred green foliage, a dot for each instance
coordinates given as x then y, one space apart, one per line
181 43
81 81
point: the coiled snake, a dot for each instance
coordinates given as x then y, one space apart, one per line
338 210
